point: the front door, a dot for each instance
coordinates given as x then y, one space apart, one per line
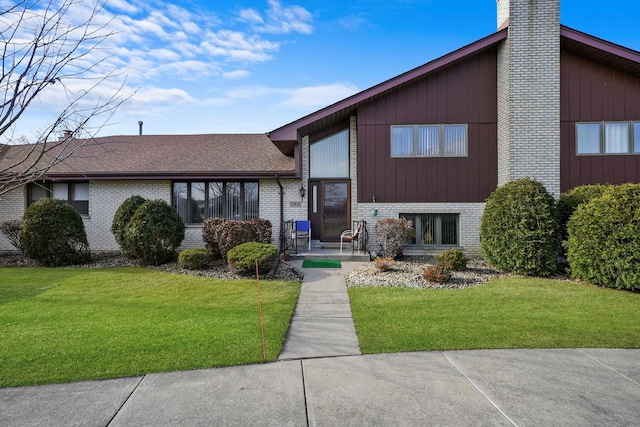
329 209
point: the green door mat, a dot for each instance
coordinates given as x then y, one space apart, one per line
321 263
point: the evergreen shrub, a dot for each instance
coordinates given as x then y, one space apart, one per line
53 234
573 198
242 258
436 274
452 259
603 247
154 233
195 259
519 229
122 217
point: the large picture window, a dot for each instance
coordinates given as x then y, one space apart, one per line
329 157
429 141
197 200
74 193
596 138
434 229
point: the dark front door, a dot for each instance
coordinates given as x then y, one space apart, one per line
329 209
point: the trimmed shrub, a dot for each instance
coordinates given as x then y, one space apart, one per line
222 235
519 230
53 234
452 259
242 258
393 234
154 233
603 247
385 263
122 217
11 230
436 274
210 234
569 202
195 259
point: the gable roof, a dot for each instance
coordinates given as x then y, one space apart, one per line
165 157
573 41
287 135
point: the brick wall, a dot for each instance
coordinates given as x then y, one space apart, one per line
12 206
529 93
469 221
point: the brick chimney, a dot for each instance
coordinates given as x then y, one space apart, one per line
529 92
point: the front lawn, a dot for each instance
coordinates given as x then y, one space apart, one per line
512 312
59 325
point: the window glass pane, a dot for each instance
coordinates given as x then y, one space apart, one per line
197 202
60 192
455 140
428 144
81 191
428 232
616 138
329 157
415 227
38 192
402 141
216 200
180 202
636 137
588 135
232 200
251 200
449 232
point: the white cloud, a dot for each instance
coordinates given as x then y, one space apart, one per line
279 19
237 74
122 6
317 96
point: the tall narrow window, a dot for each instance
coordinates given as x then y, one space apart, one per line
198 202
636 137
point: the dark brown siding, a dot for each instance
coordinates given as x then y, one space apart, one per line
463 93
592 92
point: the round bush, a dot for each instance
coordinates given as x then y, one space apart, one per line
452 259
123 215
519 231
604 239
573 198
195 259
53 234
242 258
436 274
154 233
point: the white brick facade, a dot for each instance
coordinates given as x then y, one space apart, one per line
529 93
468 225
12 206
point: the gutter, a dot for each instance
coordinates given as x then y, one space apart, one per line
281 213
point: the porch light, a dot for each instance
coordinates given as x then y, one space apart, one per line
303 192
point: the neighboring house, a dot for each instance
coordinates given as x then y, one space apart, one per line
535 99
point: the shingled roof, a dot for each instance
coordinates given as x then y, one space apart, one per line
167 156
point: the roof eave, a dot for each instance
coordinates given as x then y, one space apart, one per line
289 131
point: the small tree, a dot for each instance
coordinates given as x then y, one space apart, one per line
154 233
53 234
519 231
393 234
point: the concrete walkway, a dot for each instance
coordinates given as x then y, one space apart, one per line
322 380
322 325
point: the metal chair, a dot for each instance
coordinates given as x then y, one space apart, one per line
303 230
352 236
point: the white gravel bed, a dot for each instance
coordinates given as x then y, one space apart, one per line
408 273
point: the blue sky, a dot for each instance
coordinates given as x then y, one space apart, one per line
250 66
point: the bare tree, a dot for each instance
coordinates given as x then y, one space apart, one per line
43 52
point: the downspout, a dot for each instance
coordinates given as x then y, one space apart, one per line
281 214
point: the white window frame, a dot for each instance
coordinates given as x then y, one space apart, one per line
441 140
633 146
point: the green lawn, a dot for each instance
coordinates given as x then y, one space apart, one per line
59 325
512 312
